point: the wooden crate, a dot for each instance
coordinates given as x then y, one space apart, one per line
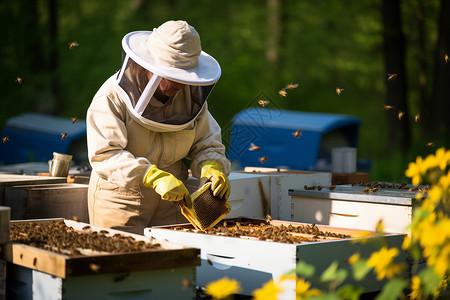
167 272
65 200
14 179
254 262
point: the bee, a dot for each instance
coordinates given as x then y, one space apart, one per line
291 86
209 262
446 58
94 267
332 188
297 133
185 282
5 139
417 118
282 93
366 190
19 80
263 159
263 103
86 227
388 107
34 261
75 218
63 135
253 147
74 120
269 218
339 91
73 44
400 115
430 144
391 76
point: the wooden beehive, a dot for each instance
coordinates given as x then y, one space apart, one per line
41 201
253 262
166 270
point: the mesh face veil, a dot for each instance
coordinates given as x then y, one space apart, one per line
138 80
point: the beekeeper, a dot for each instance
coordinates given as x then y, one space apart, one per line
142 124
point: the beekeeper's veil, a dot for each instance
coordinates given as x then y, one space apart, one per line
171 51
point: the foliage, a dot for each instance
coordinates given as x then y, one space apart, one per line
323 44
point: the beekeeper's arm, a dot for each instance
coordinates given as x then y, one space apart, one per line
107 138
208 155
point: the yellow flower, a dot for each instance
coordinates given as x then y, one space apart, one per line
416 292
406 242
414 170
223 288
442 158
441 265
354 259
268 292
383 263
302 290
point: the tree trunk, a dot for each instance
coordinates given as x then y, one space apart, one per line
53 54
394 56
274 36
441 92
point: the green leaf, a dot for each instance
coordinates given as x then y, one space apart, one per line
325 297
349 292
332 273
392 290
360 269
429 279
304 269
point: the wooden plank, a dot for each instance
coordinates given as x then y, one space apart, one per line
348 178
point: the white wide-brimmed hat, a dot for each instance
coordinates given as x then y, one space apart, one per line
173 51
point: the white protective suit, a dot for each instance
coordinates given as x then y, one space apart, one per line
123 144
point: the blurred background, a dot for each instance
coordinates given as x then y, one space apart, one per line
56 54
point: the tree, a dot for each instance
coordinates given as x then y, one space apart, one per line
399 132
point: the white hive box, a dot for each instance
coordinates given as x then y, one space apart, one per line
254 262
167 272
347 206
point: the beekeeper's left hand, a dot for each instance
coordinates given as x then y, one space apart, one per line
212 171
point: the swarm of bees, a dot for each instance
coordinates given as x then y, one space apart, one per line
57 237
264 231
373 187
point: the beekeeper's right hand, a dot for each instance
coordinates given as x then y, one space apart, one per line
166 185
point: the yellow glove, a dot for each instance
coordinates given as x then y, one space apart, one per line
165 184
212 171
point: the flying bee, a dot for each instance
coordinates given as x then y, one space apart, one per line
291 86
339 91
19 80
73 44
430 144
263 103
391 76
388 107
94 267
417 118
446 58
5 139
74 119
400 115
282 93
75 218
263 159
253 147
297 133
63 135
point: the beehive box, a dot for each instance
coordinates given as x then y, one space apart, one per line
354 206
166 271
42 201
14 179
253 262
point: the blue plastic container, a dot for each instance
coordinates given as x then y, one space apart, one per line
274 132
33 137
